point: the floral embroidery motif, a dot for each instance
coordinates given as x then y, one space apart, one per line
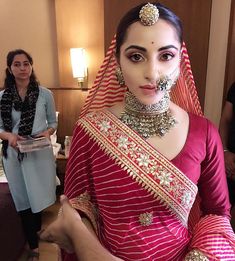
122 142
143 160
164 176
186 198
146 218
104 126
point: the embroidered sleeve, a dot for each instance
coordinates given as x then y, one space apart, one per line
83 204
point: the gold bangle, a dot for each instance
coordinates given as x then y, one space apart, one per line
195 255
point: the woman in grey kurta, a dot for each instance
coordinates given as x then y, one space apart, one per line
27 109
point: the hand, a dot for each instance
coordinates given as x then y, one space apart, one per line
13 138
44 134
229 159
61 229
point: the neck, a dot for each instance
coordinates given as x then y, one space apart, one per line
20 85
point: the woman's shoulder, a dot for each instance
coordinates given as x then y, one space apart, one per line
45 92
202 124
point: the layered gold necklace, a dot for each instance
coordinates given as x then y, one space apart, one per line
148 120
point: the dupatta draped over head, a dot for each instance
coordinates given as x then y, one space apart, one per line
106 90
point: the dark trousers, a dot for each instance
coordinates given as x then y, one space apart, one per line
31 223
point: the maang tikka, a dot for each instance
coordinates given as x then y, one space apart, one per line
148 14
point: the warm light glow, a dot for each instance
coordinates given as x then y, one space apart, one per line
79 64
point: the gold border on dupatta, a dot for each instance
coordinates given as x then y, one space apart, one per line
142 162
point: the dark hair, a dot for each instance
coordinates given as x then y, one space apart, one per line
10 79
132 16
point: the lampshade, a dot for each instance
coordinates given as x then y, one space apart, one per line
79 64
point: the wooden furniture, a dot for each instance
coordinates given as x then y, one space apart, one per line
61 162
12 238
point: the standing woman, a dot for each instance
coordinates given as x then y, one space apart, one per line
27 109
142 156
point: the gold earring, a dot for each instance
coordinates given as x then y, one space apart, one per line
119 76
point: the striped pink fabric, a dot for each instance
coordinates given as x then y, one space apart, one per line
214 237
120 202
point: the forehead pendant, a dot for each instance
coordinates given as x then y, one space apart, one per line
148 14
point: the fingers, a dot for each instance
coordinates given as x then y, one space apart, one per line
46 236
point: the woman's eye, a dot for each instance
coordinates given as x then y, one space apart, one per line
136 57
167 56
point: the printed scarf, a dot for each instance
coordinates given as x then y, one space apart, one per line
11 99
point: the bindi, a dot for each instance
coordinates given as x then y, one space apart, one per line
152 42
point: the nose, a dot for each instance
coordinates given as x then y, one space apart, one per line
22 67
151 71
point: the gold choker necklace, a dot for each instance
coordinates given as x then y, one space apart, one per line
148 120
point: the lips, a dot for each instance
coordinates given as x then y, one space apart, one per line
148 87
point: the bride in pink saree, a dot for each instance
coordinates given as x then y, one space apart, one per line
151 191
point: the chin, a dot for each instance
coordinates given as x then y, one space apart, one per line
151 99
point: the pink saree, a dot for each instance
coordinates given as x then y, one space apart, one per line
141 205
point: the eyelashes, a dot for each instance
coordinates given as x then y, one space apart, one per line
139 57
135 57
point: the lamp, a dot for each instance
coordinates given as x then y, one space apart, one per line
79 66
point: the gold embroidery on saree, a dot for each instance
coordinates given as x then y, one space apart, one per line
144 164
83 203
146 218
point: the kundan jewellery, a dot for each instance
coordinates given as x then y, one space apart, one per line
165 82
119 76
148 14
148 120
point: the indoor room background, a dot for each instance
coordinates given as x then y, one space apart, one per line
47 29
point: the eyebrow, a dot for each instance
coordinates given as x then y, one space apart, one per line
22 62
145 50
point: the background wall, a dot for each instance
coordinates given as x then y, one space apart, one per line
30 25
217 59
79 24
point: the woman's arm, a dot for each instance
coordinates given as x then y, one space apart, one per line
213 233
225 123
11 137
73 234
50 114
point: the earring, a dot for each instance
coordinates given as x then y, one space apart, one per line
119 76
